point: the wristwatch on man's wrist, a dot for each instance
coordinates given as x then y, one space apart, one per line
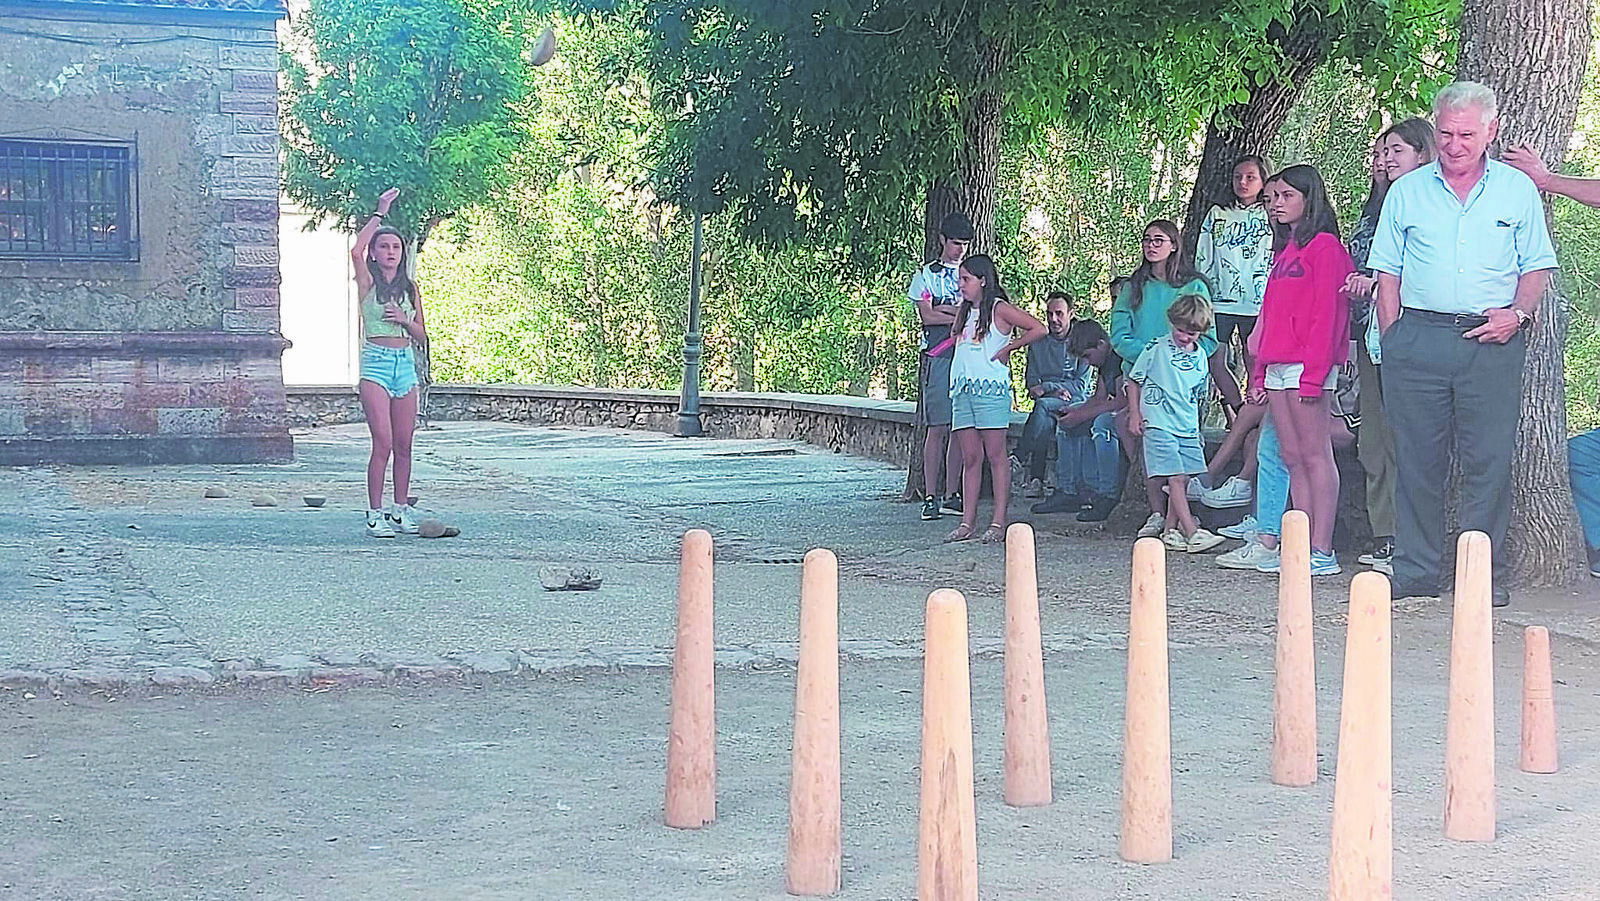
1524 318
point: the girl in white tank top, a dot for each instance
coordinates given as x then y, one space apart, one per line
987 329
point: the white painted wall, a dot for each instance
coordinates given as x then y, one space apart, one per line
317 304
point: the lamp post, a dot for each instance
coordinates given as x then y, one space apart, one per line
689 401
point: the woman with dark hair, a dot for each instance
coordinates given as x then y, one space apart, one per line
1234 253
1402 148
986 332
391 318
1139 316
1305 336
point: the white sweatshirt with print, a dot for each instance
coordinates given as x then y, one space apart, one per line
1235 253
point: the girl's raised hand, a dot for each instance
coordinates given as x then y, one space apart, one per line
386 200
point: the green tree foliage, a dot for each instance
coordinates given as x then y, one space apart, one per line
578 275
830 119
1577 234
422 95
833 118
510 300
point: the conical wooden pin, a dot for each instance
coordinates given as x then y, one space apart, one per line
1361 860
1538 704
947 846
1147 735
1469 794
1027 729
815 829
692 735
1294 697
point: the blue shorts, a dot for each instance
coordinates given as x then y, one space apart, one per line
1166 454
394 369
969 410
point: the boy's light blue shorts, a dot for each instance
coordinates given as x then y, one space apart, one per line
1166 454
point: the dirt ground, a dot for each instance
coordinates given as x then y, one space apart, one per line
547 781
552 788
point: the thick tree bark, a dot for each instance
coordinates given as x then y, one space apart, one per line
971 190
1250 128
1533 53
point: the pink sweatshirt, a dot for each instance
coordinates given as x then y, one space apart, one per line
1305 317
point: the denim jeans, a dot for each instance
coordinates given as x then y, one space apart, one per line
1272 481
1089 458
1040 426
1583 466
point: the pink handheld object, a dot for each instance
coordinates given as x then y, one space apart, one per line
941 347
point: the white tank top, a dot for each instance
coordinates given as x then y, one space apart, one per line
974 369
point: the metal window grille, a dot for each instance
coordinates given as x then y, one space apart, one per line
68 200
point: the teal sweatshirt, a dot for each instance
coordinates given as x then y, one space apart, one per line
1133 330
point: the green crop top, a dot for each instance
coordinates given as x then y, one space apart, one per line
372 322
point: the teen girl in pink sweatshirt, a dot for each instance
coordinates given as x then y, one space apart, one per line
1305 337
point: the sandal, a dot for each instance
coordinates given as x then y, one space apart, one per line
995 534
962 532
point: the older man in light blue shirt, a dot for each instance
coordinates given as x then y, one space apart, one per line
1463 257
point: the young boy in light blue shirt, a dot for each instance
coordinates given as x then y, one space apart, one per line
1166 387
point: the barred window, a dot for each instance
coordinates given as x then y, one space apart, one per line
72 200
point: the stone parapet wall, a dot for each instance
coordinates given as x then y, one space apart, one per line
860 426
108 397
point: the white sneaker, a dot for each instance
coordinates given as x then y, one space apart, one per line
1324 564
1384 566
1153 526
403 519
1202 541
1249 556
1268 563
1235 492
1244 530
378 524
1035 488
1194 491
1175 539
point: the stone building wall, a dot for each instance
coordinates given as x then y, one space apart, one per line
175 352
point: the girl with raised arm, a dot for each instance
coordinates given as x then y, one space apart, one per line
391 319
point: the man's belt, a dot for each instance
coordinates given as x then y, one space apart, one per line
1454 320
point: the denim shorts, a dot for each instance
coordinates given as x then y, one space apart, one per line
392 368
1166 454
969 410
935 390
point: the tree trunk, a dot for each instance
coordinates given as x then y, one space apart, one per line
1533 53
978 165
1250 128
969 190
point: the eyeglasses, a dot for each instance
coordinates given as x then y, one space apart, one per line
1153 239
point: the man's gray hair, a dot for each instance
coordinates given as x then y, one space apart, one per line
1460 95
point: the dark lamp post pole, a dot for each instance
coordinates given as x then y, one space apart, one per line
689 402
